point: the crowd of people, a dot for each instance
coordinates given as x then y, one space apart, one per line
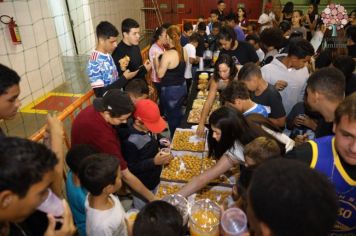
287 119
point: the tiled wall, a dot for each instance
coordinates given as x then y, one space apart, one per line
46 36
37 60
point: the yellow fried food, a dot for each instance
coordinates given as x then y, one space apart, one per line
166 189
181 141
218 196
205 218
182 168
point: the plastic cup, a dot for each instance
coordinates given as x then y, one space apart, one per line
180 203
234 222
52 205
165 151
164 142
204 218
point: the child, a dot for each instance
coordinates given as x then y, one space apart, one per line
213 37
100 175
159 218
137 89
297 23
237 95
254 40
75 192
140 146
214 14
190 58
259 150
187 32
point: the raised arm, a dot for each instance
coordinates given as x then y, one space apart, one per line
213 88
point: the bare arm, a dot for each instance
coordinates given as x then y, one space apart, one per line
213 88
165 63
136 185
280 122
55 134
198 182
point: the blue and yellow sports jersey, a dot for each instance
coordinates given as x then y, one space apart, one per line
101 70
327 161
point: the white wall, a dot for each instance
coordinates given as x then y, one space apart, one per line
38 59
46 37
87 14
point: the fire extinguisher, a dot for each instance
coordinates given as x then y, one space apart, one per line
13 28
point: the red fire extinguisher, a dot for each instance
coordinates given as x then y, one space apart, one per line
13 29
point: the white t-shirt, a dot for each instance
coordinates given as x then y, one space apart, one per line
296 79
264 18
236 153
260 54
191 53
109 222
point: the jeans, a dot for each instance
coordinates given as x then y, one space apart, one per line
160 103
172 98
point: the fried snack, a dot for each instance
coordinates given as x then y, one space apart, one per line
182 168
202 86
124 62
202 94
166 189
181 141
218 196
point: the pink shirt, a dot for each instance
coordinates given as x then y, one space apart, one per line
155 49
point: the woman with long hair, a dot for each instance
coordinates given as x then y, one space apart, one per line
225 71
229 132
242 18
287 12
311 18
170 69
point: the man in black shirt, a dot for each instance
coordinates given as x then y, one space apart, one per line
263 93
326 90
221 7
335 156
127 55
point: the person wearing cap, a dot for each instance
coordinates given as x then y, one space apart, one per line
266 19
140 146
94 126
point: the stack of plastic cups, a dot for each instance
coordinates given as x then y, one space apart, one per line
234 222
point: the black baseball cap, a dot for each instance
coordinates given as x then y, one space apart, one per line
116 102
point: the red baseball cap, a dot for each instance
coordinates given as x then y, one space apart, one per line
147 111
268 5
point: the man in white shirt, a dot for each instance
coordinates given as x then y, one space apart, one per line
288 73
190 58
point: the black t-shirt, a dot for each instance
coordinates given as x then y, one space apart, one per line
184 40
271 98
324 59
242 54
135 63
323 128
304 153
139 150
350 85
201 46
